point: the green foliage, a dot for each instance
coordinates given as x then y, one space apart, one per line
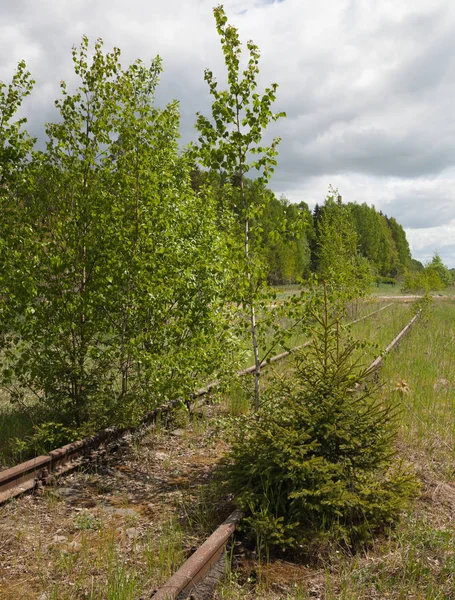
239 114
227 142
15 146
281 230
120 270
85 520
316 464
45 437
15 143
416 265
380 240
435 276
421 282
117 256
376 239
401 244
285 241
386 281
339 262
437 267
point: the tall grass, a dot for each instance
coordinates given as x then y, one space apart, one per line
422 372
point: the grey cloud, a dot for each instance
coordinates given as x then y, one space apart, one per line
425 253
421 209
368 86
378 152
369 130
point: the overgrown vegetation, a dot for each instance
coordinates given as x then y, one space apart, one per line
435 276
121 262
239 118
114 273
126 273
414 559
315 466
338 259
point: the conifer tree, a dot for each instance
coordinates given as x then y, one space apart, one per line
316 464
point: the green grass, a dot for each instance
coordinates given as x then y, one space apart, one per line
356 310
155 559
417 558
379 329
16 423
385 289
425 361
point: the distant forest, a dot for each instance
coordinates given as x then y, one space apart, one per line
292 234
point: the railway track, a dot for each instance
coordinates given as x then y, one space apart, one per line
191 574
196 577
35 473
41 470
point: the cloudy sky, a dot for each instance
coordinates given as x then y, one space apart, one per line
368 87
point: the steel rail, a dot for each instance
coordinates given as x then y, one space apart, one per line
33 474
36 472
379 360
282 355
371 314
199 565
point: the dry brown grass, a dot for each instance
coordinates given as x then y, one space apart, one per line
130 513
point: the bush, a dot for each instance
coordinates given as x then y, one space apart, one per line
435 276
422 282
316 464
386 281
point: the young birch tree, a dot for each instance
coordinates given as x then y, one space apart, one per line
231 143
117 298
15 147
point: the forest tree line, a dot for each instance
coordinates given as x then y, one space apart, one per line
292 235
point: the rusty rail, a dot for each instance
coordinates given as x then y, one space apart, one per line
377 363
282 355
36 472
193 571
33 474
371 314
196 568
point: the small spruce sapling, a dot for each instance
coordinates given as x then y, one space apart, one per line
316 464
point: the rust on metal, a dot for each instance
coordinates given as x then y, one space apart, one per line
22 478
29 475
199 564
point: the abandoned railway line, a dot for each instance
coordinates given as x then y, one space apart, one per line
199 565
41 470
208 559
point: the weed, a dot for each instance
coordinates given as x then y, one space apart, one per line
85 520
163 553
